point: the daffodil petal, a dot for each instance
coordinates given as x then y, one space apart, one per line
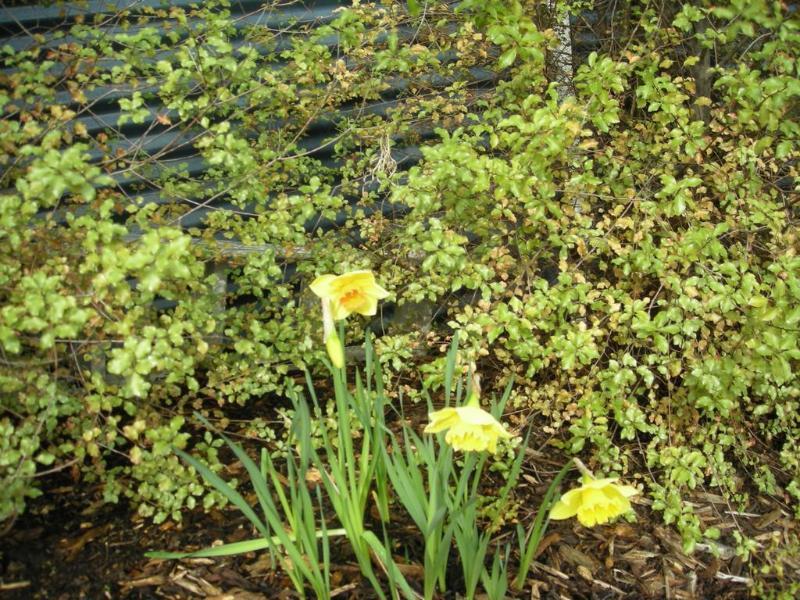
566 506
627 490
588 517
321 286
363 280
463 438
595 502
441 420
378 292
353 292
501 431
475 416
351 280
562 511
598 483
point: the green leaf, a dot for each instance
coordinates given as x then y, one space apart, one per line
238 547
507 58
137 386
386 560
225 489
539 526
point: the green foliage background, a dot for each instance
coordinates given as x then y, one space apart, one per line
625 249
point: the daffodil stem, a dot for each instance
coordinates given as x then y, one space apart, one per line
582 468
475 382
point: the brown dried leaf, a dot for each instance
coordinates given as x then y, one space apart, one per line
577 558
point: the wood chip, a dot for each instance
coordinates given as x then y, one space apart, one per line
415 571
608 586
535 595
549 540
14 585
263 565
313 477
550 570
71 548
188 585
723 551
343 589
736 565
712 569
768 519
672 542
198 561
226 575
238 594
152 580
639 555
625 531
712 498
733 578
207 588
577 558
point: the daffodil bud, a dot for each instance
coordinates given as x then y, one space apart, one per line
335 351
332 343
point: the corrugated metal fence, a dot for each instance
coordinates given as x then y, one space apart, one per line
173 147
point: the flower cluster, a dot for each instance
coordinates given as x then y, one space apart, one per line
469 427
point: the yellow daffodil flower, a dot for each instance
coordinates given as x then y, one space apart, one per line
597 501
341 296
470 428
354 292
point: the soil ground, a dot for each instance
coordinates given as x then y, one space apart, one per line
61 550
70 545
